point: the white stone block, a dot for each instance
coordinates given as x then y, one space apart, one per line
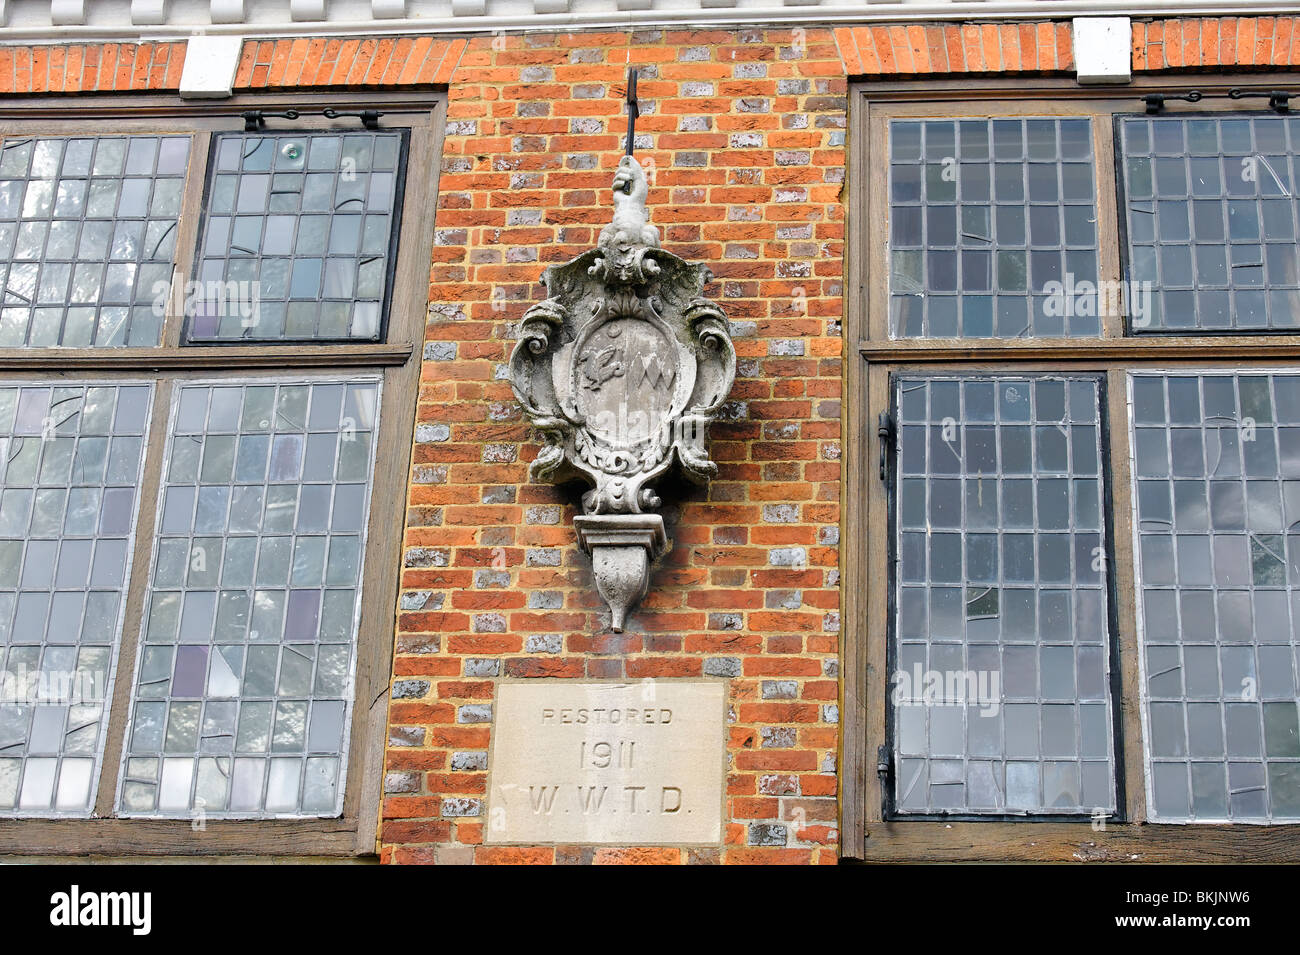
210 63
1103 50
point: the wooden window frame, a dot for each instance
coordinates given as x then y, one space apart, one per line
873 357
396 358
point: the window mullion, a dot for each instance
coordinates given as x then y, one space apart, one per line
137 586
1128 698
1108 262
187 238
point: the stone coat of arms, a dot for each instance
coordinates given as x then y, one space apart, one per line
621 368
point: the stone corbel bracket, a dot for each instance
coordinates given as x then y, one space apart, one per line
621 369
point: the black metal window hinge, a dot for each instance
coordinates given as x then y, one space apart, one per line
885 432
255 119
1278 100
1156 101
369 117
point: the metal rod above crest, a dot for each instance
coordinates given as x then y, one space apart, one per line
633 110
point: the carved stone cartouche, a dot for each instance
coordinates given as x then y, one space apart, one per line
621 368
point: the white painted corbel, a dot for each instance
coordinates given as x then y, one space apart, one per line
307 10
148 12
67 13
226 11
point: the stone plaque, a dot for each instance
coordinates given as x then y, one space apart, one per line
608 763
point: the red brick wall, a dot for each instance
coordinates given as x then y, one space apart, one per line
745 134
893 50
1215 42
937 50
339 63
91 67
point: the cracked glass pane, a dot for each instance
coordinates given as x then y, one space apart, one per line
244 680
1218 573
296 237
88 238
67 523
1211 216
1001 691
993 229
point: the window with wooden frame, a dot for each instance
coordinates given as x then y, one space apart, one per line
209 328
1073 592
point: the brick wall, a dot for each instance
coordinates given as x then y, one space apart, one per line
1215 42
744 132
898 50
939 50
91 67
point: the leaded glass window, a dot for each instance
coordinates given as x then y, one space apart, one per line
1217 489
991 220
245 674
183 526
88 231
70 466
297 237
1001 686
1210 212
1083 603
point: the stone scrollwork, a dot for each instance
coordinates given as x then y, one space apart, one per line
621 369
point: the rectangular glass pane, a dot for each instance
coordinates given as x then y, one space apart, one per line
993 229
297 236
1210 214
1216 476
70 465
243 690
1000 689
88 238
